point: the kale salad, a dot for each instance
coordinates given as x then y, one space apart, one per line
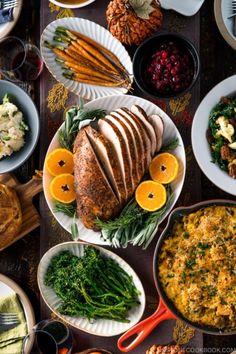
221 134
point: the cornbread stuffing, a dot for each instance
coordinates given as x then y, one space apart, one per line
197 266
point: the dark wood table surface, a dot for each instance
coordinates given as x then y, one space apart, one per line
20 260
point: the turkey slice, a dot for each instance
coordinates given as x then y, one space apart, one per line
141 114
137 142
107 156
112 133
129 145
158 126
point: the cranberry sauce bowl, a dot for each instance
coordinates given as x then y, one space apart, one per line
166 65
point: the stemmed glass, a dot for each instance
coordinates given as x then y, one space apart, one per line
48 337
19 61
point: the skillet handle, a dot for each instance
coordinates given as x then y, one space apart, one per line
143 328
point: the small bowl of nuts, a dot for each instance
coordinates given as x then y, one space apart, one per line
166 65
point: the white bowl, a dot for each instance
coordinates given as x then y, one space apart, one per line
99 327
71 6
201 147
25 104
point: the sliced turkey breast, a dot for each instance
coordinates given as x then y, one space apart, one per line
94 195
129 145
136 142
158 125
107 156
141 114
112 133
142 131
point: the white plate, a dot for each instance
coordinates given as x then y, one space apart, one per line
99 327
186 8
8 287
201 148
109 104
223 9
71 6
100 35
6 28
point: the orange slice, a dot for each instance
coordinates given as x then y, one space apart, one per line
150 195
164 168
59 161
62 188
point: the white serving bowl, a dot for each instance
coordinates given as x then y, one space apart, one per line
201 147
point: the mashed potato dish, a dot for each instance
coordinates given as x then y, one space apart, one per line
12 128
197 267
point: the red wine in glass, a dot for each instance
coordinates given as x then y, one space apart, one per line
46 344
27 65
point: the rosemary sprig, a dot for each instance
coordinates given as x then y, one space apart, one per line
134 225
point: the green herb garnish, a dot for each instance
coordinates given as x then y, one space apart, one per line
75 118
67 209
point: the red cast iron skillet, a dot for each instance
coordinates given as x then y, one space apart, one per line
166 309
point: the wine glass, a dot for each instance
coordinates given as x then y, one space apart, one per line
48 337
19 61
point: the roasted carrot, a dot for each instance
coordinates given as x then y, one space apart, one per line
74 34
95 60
99 46
97 54
63 350
78 57
82 69
104 83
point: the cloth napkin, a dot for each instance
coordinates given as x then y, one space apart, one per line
6 16
8 342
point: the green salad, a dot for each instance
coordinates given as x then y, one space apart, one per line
222 135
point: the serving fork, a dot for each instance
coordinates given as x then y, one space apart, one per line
233 9
8 4
8 321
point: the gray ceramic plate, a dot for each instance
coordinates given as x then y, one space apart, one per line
20 98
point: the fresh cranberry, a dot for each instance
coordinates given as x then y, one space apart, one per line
164 54
171 68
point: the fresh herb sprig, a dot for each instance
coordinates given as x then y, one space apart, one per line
134 225
171 145
91 286
67 209
75 118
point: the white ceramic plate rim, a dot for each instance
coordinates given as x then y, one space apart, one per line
186 8
200 144
24 300
6 28
71 6
90 235
228 37
99 34
138 311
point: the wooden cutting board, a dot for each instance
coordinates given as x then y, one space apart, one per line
30 216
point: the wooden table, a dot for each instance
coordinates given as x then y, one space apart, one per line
21 259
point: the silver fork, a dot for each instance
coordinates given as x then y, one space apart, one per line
8 319
233 8
8 4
